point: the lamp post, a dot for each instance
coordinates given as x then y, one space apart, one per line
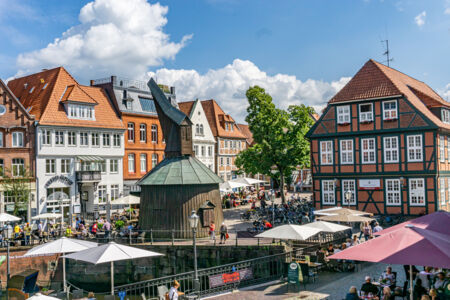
348 196
193 221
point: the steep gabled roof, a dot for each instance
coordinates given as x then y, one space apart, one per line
186 107
245 129
45 100
10 95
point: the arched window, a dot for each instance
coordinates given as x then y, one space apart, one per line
143 133
131 132
154 133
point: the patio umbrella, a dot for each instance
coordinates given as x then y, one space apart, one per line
247 180
340 211
345 218
50 216
326 226
111 252
127 200
433 221
289 232
232 185
4 217
409 245
39 296
61 246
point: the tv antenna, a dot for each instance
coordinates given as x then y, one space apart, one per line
386 52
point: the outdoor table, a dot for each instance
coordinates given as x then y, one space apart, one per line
310 264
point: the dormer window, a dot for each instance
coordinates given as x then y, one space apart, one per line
226 126
32 89
445 115
82 112
365 113
128 103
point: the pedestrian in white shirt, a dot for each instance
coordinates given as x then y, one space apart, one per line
173 293
377 228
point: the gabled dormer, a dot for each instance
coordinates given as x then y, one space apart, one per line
78 104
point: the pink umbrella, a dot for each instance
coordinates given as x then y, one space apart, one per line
434 221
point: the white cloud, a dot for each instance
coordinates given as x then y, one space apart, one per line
420 18
447 11
113 37
446 93
228 85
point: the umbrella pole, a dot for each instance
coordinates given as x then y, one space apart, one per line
64 274
112 278
411 282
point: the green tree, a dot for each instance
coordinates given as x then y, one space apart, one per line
17 185
279 135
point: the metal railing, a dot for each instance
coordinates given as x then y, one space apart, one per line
88 176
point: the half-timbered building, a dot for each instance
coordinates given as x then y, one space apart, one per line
382 145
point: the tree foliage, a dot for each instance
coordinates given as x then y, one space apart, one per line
279 136
17 187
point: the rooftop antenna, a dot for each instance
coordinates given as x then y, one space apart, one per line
386 52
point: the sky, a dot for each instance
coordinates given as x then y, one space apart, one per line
299 51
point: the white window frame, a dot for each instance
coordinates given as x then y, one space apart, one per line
369 151
114 166
343 114
50 166
106 140
17 167
442 191
326 152
131 163
348 184
445 116
115 192
441 148
328 193
392 150
390 113
392 191
154 160
17 139
71 138
414 149
346 153
65 166
130 132
102 191
116 140
59 138
415 191
365 116
143 162
46 137
84 139
143 133
154 130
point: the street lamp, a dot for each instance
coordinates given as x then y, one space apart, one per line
348 196
193 221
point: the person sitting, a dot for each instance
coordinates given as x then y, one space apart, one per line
330 249
419 290
267 224
368 287
387 294
388 278
352 294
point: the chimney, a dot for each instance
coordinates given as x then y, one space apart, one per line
172 90
113 79
92 82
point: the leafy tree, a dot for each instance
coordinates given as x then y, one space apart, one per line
279 135
17 186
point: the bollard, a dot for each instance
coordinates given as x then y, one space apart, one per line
151 236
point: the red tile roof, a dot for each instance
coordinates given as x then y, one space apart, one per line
186 107
45 103
246 131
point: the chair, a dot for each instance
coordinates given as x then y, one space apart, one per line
404 293
306 272
77 294
141 237
162 291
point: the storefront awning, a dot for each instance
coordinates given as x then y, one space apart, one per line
90 158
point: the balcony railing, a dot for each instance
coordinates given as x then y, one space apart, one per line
131 83
88 176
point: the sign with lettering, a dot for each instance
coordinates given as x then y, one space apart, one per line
369 184
228 278
60 178
294 273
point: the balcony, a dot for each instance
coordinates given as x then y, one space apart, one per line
88 176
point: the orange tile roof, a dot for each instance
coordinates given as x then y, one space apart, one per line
14 98
186 107
215 116
245 129
46 103
375 80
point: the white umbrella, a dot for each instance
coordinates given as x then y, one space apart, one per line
232 185
39 296
61 246
340 210
326 226
47 216
111 252
247 180
4 217
289 232
127 200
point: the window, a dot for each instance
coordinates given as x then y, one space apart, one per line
221 161
116 140
445 116
143 132
210 148
326 152
113 165
348 185
59 138
65 166
131 168
441 148
414 148
2 167
196 150
365 112
148 105
143 163
106 140
131 132
154 133
390 110
95 139
129 104
228 161
343 114
368 150
84 139
448 148
115 192
203 150
226 144
346 152
46 137
1 139
154 160
102 166
72 138
442 190
50 166
328 192
393 191
226 126
17 139
417 191
82 112
390 149
197 129
102 193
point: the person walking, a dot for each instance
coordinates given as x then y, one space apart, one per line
223 233
367 230
27 233
212 231
41 232
107 228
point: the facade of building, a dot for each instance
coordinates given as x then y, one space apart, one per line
385 138
229 139
17 140
79 142
144 141
202 136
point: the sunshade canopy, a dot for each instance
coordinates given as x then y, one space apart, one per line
326 226
127 200
438 221
47 216
4 217
247 180
90 158
111 252
345 218
39 296
232 185
406 246
62 245
340 211
290 232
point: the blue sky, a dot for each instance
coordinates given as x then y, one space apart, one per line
320 42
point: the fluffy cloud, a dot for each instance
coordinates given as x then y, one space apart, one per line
447 11
113 37
446 92
228 85
420 18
